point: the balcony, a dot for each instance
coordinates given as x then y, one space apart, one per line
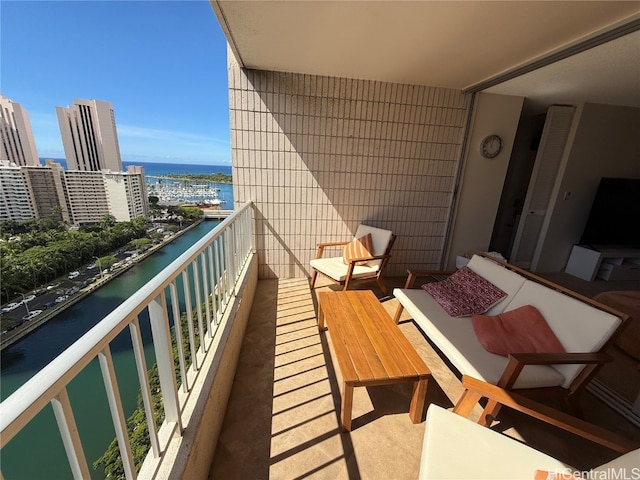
283 412
262 398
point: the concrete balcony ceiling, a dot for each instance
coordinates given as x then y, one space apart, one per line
467 45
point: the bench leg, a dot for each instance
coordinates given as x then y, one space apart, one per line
418 400
347 405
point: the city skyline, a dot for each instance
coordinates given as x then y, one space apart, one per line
162 65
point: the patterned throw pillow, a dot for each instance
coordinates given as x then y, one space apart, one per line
465 293
359 248
521 330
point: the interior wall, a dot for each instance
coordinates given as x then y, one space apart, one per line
482 178
319 155
604 143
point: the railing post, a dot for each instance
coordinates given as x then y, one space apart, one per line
164 358
143 379
117 413
69 433
189 309
177 328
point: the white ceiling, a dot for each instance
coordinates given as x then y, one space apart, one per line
608 73
454 44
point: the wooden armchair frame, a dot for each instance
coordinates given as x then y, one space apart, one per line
476 389
349 279
593 361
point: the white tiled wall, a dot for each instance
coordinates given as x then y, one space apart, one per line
319 155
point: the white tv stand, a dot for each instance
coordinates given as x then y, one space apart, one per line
604 262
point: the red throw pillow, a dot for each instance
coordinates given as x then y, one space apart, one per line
358 248
464 293
522 330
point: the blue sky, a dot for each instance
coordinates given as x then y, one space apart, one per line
162 65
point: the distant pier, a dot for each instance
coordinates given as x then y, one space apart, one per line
216 213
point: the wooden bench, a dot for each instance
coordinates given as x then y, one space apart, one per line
370 348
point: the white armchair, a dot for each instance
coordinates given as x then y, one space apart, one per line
367 268
456 448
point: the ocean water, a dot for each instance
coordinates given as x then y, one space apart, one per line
157 168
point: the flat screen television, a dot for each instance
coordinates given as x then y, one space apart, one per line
614 219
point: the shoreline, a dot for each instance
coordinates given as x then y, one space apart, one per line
32 325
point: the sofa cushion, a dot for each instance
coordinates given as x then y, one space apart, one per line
358 248
506 280
335 268
380 238
579 326
522 330
454 447
465 293
457 340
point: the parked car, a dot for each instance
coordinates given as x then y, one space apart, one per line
73 275
48 305
10 307
91 267
28 298
32 314
61 298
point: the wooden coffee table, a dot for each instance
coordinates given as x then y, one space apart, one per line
370 348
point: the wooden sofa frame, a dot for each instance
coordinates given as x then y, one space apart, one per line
516 362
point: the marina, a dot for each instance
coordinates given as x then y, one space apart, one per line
174 191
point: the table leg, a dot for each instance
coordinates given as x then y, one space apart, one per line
418 399
347 405
321 326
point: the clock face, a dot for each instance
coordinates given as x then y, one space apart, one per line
491 146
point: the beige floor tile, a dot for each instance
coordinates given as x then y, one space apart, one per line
287 377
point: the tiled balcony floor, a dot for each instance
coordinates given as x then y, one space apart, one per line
282 421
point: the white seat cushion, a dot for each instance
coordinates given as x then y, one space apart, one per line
335 268
457 448
457 340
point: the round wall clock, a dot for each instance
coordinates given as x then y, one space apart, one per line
490 146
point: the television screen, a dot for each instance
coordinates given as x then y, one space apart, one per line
614 219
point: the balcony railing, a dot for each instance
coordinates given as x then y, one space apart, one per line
199 285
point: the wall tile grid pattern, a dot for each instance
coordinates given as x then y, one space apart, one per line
319 155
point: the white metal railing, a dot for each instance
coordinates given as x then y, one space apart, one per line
210 269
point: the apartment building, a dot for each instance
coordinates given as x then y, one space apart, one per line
18 145
46 191
126 193
86 196
74 196
15 201
89 136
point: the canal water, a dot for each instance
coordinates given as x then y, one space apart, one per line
37 453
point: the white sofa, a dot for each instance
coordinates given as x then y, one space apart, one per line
583 326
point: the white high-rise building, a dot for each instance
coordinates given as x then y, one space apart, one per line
89 136
15 201
18 145
126 194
